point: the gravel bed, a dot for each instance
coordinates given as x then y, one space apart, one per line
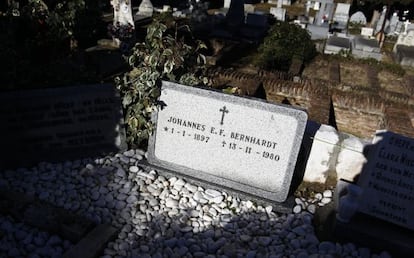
162 217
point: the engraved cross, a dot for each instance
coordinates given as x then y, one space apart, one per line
224 111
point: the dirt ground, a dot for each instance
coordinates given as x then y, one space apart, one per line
360 75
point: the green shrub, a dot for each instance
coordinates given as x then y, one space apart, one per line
36 41
164 55
283 42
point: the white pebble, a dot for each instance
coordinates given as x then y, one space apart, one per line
318 196
326 200
132 199
297 209
213 193
249 204
311 208
191 188
171 203
268 209
133 169
327 194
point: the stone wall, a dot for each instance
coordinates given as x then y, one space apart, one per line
314 96
352 109
360 115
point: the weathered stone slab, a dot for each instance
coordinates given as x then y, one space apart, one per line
60 124
93 244
243 144
388 180
43 215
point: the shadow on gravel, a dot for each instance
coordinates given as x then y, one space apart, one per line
160 216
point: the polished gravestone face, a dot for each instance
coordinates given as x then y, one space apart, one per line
388 180
60 124
244 144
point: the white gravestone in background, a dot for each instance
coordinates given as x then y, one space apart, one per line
406 39
358 17
239 143
367 32
278 13
122 12
146 8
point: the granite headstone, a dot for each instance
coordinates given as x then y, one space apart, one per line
60 124
388 180
247 145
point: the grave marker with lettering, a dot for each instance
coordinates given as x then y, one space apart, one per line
60 124
242 144
388 180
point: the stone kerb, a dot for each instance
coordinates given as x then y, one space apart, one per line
368 103
394 97
334 155
322 156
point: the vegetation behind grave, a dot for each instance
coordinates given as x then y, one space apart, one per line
283 42
39 38
168 53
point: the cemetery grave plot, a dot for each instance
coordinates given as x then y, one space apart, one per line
317 69
223 139
392 82
354 75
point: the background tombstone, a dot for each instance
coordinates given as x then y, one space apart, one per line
145 9
341 15
393 24
385 189
227 3
381 19
367 32
245 145
358 18
325 13
60 124
388 180
278 13
279 3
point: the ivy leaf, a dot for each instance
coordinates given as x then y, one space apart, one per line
133 122
168 66
126 100
201 59
167 52
230 90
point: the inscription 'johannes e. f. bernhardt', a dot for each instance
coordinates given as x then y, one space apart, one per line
235 141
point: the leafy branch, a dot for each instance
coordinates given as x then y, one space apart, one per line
164 55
